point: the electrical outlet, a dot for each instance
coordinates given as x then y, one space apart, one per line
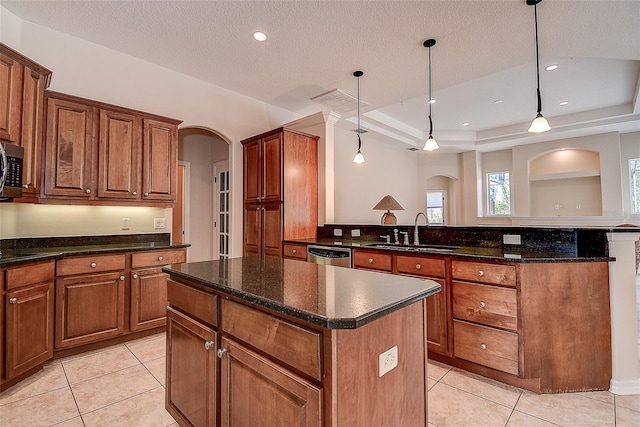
158 223
337 232
511 239
355 233
125 223
387 360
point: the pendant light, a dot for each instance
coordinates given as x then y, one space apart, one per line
430 144
358 158
539 124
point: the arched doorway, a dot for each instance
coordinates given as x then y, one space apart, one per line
202 213
441 200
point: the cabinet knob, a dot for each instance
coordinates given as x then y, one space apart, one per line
480 273
13 300
258 208
208 345
93 265
294 251
483 304
88 191
221 352
121 277
418 266
370 260
25 186
146 194
160 258
135 276
483 346
135 193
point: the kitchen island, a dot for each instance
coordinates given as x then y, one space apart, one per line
270 341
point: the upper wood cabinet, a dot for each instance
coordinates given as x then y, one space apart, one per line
103 154
280 190
22 85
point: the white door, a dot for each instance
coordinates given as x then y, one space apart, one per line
221 235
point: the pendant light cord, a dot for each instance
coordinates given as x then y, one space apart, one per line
358 131
430 122
535 14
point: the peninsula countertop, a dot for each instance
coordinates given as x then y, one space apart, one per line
327 296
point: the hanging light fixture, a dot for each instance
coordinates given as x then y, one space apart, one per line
430 144
358 158
539 124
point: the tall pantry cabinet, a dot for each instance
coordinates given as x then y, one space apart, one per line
280 190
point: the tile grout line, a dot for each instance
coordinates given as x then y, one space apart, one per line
72 393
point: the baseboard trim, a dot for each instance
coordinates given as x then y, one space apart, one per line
625 387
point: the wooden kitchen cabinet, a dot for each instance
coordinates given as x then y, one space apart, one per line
98 153
280 190
372 260
11 93
28 318
295 251
90 299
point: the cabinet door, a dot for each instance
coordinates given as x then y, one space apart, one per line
272 168
252 168
32 122
252 229
148 298
191 371
272 229
11 96
119 158
89 308
160 161
69 154
251 384
437 320
29 327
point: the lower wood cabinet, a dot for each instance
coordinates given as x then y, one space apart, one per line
148 298
252 384
192 370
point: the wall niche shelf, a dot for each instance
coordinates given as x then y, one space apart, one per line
565 175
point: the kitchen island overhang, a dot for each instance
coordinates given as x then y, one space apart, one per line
348 346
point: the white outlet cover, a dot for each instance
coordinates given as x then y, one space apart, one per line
158 223
337 231
387 360
355 233
511 239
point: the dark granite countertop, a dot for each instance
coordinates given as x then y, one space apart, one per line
480 253
326 296
41 249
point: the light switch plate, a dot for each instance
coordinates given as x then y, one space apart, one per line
158 223
387 360
337 232
511 239
125 223
355 233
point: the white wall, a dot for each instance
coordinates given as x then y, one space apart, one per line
629 149
92 71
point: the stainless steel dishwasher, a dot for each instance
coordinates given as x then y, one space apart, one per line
329 255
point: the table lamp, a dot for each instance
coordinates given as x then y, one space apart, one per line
388 203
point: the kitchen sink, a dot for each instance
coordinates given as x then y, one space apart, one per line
414 248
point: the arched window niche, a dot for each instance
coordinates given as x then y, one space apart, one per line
565 182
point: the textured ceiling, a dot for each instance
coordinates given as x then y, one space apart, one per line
485 51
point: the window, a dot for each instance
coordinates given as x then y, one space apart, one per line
435 207
499 193
634 168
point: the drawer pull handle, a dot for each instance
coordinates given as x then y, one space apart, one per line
295 251
88 191
135 193
135 276
483 304
370 260
221 352
480 273
483 346
418 266
93 265
208 345
13 300
160 258
146 194
121 277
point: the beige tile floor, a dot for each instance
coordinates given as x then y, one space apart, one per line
123 385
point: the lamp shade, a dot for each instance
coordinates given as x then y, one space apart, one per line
539 124
387 204
430 144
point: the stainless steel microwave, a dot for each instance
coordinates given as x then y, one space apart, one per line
11 163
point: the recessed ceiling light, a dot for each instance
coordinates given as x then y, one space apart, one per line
260 36
498 101
465 124
551 67
432 101
563 103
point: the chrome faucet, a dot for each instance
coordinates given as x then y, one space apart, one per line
416 238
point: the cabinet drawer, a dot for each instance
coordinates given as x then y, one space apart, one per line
289 343
295 251
418 266
371 260
486 346
90 264
30 274
155 258
485 304
201 305
493 274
